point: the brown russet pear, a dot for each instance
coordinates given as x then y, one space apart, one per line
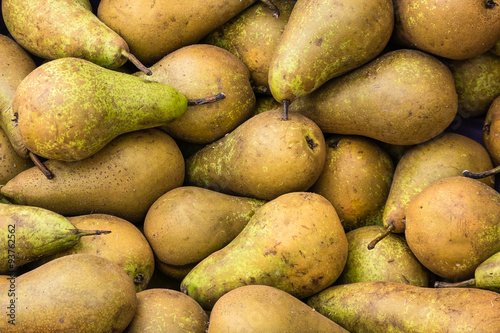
188 223
10 162
69 108
205 70
403 97
122 179
356 179
154 28
491 131
65 28
453 225
458 29
260 308
74 293
397 307
446 155
16 64
295 243
166 310
262 158
324 39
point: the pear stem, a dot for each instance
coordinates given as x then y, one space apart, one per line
286 103
137 63
41 166
484 174
206 100
377 239
272 7
466 283
83 232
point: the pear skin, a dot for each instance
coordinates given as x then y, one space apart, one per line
260 308
398 307
295 243
491 131
11 162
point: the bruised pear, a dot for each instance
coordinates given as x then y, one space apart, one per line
295 243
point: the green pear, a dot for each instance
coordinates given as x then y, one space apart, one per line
70 108
262 158
123 179
404 97
53 29
259 308
295 243
375 306
75 293
29 233
324 39
16 64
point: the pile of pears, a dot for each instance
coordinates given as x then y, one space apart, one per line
250 166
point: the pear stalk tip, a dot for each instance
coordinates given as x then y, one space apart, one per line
466 283
479 175
377 239
209 99
286 103
132 58
40 165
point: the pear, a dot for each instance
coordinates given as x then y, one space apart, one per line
123 179
126 246
188 223
259 308
495 49
70 108
16 64
65 28
86 293
356 179
253 36
29 233
167 310
295 243
404 97
262 158
375 306
11 163
204 70
486 276
154 28
491 131
322 40
453 225
458 30
392 259
444 156
174 272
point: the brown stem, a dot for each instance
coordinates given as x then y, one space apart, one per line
466 283
286 103
137 63
272 6
83 232
383 235
40 165
489 4
206 100
484 174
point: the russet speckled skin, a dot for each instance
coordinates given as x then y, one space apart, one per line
491 131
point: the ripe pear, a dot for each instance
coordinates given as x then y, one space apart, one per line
491 131
356 179
324 39
188 223
166 310
29 233
253 36
10 162
205 70
375 306
295 243
444 156
16 64
74 293
262 158
392 259
453 225
404 97
123 179
69 108
154 28
459 29
65 28
260 308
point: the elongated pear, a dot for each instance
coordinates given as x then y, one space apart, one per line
29 233
324 39
53 29
397 307
295 243
70 108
